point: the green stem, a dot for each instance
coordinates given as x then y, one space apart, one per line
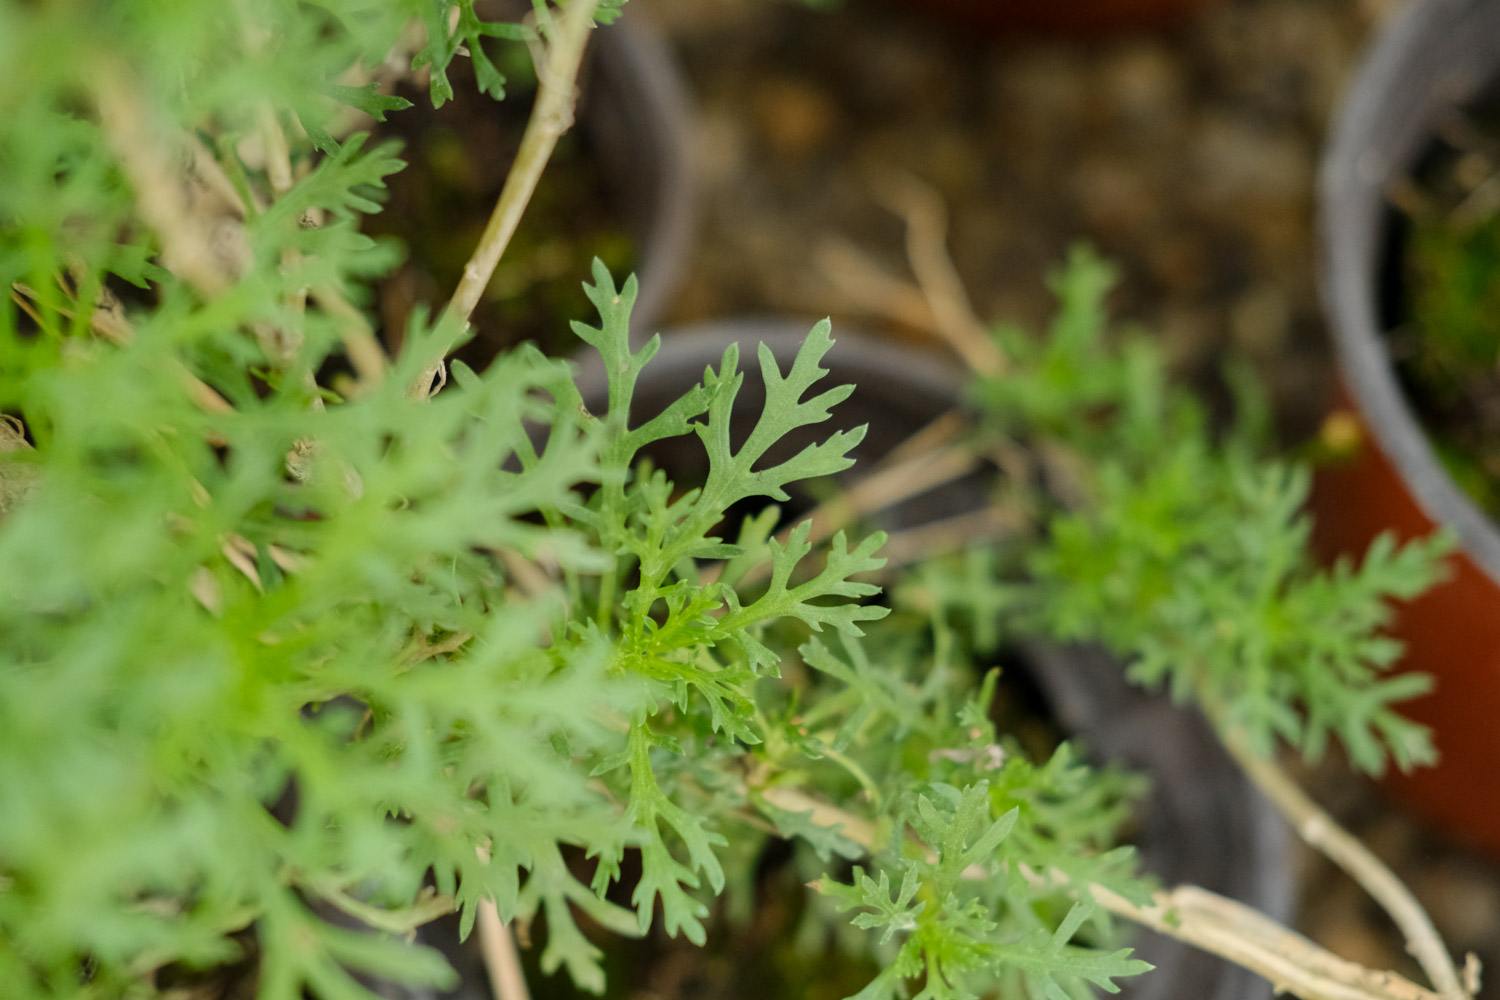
507 979
605 613
859 774
402 921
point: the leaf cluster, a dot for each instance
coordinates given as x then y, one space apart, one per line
980 860
1188 552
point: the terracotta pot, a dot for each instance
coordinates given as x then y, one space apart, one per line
1434 58
1203 823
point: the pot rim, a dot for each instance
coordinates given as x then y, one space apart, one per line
651 99
1431 57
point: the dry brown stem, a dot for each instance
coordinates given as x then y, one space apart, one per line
282 345
12 434
278 152
17 480
977 528
551 116
22 296
938 433
1322 832
109 320
209 175
363 347
507 979
1250 939
919 473
501 961
191 247
365 353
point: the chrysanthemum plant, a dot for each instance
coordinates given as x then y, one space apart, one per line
305 643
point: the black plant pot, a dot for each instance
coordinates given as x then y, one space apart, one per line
1203 824
1437 58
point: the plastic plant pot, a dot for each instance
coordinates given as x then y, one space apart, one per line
1436 58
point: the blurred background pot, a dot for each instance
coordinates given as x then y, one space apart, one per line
1203 823
1438 57
1065 17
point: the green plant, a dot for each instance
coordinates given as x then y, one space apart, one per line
296 631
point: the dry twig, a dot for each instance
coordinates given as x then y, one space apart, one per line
926 232
191 247
551 116
1322 832
1192 915
109 322
867 287
984 526
500 958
